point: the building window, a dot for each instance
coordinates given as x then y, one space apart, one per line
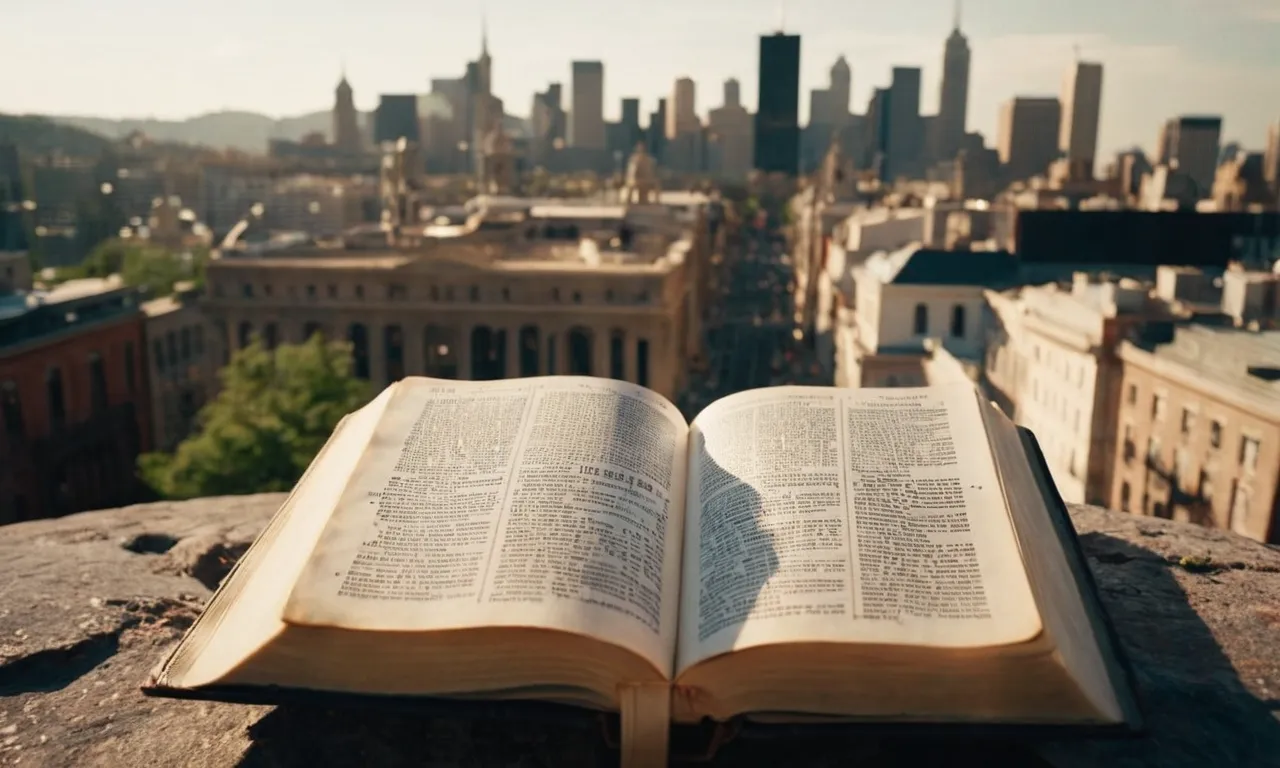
157 351
1124 496
311 291
397 291
359 338
551 354
577 297
393 353
97 383
921 324
1249 447
247 290
11 409
1215 433
1157 407
269 336
642 362
475 293
57 403
185 338
1204 487
1131 396
130 375
1153 449
1188 421
244 334
1240 508
957 322
530 350
333 291
580 362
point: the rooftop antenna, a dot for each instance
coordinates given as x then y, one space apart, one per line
484 30
956 21
782 16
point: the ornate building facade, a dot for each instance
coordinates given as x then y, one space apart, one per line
505 287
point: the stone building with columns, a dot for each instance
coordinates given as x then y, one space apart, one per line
515 287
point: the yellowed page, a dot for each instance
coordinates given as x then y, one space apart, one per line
552 502
843 515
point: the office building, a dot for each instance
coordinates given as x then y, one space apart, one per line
1028 136
1192 145
730 130
396 118
828 113
777 133
586 120
346 122
904 137
1081 109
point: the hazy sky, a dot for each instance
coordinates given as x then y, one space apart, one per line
162 58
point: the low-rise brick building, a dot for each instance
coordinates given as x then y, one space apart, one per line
74 404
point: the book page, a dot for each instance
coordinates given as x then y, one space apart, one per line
842 515
552 502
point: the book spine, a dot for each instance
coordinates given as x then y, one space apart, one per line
645 715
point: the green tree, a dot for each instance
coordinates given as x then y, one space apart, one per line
147 265
274 413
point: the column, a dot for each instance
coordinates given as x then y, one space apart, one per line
415 360
463 330
600 349
377 354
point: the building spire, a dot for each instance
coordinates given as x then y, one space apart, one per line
956 21
484 32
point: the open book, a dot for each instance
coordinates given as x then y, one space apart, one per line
794 554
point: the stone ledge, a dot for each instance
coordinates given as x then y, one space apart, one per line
92 601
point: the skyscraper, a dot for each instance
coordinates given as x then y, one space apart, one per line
396 118
953 102
1271 157
1081 108
904 139
729 130
681 115
1193 143
547 122
630 123
1028 135
346 126
777 147
586 120
656 134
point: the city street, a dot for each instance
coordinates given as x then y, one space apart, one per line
751 336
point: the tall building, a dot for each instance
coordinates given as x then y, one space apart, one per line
1271 158
904 141
1192 144
681 115
346 124
877 130
729 142
630 122
656 134
586 122
1081 109
953 102
828 112
1028 135
777 141
547 122
396 118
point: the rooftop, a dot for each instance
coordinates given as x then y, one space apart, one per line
26 316
1245 363
916 265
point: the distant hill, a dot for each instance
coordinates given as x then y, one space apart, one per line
245 131
37 135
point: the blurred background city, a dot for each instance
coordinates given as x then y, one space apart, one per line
218 234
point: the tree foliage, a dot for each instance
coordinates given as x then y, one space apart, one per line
274 413
141 264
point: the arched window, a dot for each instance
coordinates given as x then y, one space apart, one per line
270 337
642 362
310 329
57 403
957 321
488 354
580 352
244 335
530 350
359 338
921 324
439 352
393 352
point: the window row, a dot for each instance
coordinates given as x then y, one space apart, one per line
447 293
920 321
11 406
178 347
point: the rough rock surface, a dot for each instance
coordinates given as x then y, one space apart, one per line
90 603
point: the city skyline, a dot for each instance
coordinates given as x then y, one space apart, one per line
1162 58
